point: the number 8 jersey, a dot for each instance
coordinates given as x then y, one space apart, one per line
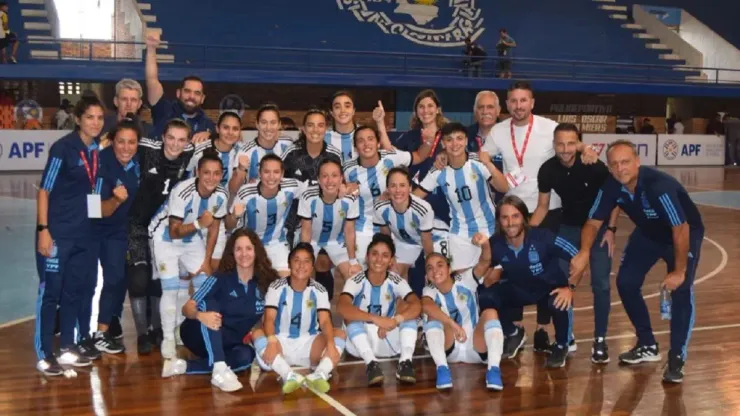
469 195
372 184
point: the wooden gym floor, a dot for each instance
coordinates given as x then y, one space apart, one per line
129 385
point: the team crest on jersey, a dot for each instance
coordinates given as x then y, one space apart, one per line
462 297
435 23
646 208
342 213
534 256
162 267
388 297
474 176
310 304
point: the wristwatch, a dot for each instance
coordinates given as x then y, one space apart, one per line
40 228
612 229
572 287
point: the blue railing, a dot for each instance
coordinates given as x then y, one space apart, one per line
395 63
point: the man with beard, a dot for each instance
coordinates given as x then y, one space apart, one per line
190 98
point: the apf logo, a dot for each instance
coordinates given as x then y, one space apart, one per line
670 149
424 22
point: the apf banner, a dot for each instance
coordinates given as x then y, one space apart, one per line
690 149
645 143
26 149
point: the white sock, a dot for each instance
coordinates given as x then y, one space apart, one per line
358 337
281 367
183 295
168 308
436 342
494 336
408 340
219 366
325 366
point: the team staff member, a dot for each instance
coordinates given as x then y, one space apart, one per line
162 164
486 110
223 311
668 227
117 184
577 184
190 98
65 204
127 101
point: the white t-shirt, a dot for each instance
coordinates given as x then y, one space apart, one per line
678 128
539 150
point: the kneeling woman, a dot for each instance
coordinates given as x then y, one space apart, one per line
529 273
453 330
297 328
223 311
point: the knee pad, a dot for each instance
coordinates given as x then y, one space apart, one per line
138 280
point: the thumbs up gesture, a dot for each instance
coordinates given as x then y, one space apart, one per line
379 113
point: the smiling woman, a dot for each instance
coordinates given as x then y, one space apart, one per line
85 19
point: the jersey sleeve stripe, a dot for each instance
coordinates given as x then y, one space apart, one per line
51 176
597 201
204 289
670 209
566 245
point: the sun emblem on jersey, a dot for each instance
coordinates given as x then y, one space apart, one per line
310 304
462 297
342 213
474 176
436 23
388 297
162 267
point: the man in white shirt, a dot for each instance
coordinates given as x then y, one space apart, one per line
525 142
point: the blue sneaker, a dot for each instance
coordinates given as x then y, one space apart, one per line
493 379
444 378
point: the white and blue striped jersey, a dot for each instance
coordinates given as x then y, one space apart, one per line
377 300
229 159
344 142
266 216
327 220
372 184
460 303
468 194
297 312
186 204
405 226
257 152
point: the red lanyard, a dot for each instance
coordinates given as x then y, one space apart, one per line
436 142
91 174
520 156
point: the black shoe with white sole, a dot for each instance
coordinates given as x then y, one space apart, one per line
374 374
558 356
115 330
640 354
513 343
405 372
72 357
541 341
104 342
599 351
674 372
50 367
87 349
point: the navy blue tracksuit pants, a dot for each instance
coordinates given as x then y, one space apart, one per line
639 257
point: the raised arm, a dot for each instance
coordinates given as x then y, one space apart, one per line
154 88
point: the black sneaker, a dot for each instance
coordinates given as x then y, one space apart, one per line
72 357
104 342
50 367
156 336
374 374
144 344
640 354
572 346
558 355
674 372
513 343
541 341
115 330
600 351
405 372
87 349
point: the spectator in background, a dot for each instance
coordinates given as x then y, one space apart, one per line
288 124
7 37
715 126
626 124
503 48
670 124
647 127
476 55
732 132
678 127
63 119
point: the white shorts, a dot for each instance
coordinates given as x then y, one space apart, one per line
278 253
463 253
382 348
171 259
337 252
407 253
296 351
218 250
361 243
464 352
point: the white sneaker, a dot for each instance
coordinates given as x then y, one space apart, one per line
178 338
174 367
168 349
226 380
70 356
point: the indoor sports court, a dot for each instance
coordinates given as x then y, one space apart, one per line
128 384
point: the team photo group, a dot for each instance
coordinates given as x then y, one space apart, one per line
233 248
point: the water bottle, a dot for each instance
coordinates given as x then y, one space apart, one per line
665 304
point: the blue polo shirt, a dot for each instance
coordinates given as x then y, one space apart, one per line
165 110
535 266
241 305
474 146
66 180
659 203
112 174
410 142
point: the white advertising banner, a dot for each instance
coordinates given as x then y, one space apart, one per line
26 149
646 145
690 150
